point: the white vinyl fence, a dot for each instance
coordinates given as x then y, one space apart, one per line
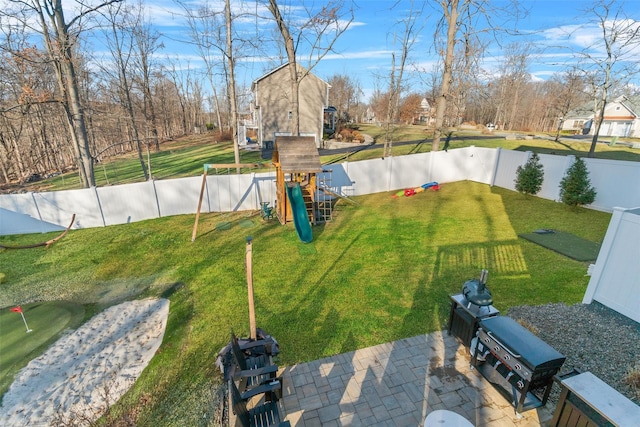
615 280
615 182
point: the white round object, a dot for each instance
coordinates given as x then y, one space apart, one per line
443 417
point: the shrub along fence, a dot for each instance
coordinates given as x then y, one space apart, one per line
615 273
615 182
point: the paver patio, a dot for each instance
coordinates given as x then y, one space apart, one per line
397 384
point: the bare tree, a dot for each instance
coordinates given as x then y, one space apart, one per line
205 27
470 18
316 33
567 92
514 75
60 36
452 12
345 96
466 70
212 32
231 86
610 58
410 32
120 41
181 82
379 102
147 41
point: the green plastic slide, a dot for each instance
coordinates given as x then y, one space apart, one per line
299 210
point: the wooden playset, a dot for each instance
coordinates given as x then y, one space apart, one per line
297 161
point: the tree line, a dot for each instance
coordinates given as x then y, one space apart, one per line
64 107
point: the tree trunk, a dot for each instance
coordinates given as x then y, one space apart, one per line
232 85
62 55
149 109
597 121
125 96
451 16
293 67
390 111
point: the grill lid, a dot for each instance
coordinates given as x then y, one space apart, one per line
476 292
534 352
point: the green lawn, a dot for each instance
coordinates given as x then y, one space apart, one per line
380 271
186 156
46 321
421 142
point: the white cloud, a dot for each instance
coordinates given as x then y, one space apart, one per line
165 14
365 54
535 77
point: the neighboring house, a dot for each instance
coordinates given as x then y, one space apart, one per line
425 114
271 107
370 116
621 118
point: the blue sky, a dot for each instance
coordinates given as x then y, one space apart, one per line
554 27
364 51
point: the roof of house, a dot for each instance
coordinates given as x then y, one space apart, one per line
633 104
264 76
298 154
586 111
582 112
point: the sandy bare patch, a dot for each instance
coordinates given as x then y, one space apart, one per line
84 372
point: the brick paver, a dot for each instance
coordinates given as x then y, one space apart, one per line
397 384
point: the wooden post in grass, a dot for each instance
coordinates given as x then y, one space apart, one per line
252 309
195 225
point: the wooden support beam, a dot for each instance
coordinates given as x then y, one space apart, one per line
232 165
195 224
252 309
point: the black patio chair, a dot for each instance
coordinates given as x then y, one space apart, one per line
264 413
251 363
264 344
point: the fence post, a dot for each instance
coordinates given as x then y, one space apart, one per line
35 204
603 254
155 193
430 163
389 171
95 191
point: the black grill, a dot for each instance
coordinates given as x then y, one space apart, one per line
517 362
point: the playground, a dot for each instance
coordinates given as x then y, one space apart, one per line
301 195
377 272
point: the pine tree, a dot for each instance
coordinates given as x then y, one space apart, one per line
529 177
575 187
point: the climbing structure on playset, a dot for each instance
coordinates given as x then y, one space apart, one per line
304 193
299 196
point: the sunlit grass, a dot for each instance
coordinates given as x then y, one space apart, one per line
186 156
381 271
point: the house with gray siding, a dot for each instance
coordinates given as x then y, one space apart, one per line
271 109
